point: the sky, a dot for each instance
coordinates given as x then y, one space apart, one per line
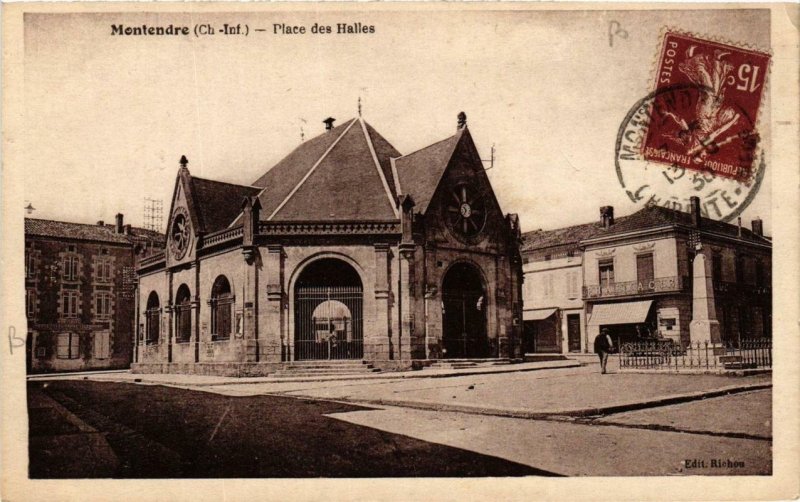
108 117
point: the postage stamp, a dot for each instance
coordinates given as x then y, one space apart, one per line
705 106
696 133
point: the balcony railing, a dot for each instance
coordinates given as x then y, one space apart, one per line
633 288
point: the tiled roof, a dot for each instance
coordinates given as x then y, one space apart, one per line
308 184
89 232
219 203
648 217
419 172
539 239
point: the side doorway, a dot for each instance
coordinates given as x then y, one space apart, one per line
574 332
464 313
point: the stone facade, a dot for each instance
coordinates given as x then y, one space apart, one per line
80 293
361 273
637 275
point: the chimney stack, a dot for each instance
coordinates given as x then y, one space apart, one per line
607 216
101 223
739 226
119 223
329 123
462 120
694 204
126 229
758 227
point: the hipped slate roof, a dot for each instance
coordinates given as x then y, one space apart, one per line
87 232
343 174
648 217
348 173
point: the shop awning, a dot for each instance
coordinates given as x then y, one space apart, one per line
537 315
620 313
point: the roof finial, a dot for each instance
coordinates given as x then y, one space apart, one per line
462 120
184 162
359 106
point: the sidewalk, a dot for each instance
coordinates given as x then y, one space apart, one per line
202 380
557 392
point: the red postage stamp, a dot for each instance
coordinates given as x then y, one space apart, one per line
705 107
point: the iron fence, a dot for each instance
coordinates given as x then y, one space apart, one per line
671 356
328 323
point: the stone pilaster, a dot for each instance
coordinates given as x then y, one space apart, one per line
380 344
409 341
273 319
433 323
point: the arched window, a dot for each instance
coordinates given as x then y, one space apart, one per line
183 314
221 307
152 319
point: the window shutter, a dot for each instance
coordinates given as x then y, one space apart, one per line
62 346
644 268
101 344
74 347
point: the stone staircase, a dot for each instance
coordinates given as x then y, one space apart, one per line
325 368
535 358
459 364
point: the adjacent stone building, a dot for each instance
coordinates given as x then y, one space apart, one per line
637 279
345 249
80 296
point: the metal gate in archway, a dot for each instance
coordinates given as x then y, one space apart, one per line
328 323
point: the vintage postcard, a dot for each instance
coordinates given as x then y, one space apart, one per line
353 251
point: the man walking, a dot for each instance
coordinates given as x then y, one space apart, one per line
602 346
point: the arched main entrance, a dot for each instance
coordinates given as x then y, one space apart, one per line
328 305
464 315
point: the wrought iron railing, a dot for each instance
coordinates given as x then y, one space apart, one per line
329 323
631 288
671 356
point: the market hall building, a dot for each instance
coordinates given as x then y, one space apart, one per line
344 250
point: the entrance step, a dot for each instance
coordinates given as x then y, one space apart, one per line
325 368
535 358
458 364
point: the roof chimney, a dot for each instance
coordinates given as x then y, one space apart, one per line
758 227
329 123
119 223
694 207
126 229
101 223
462 120
739 226
607 216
